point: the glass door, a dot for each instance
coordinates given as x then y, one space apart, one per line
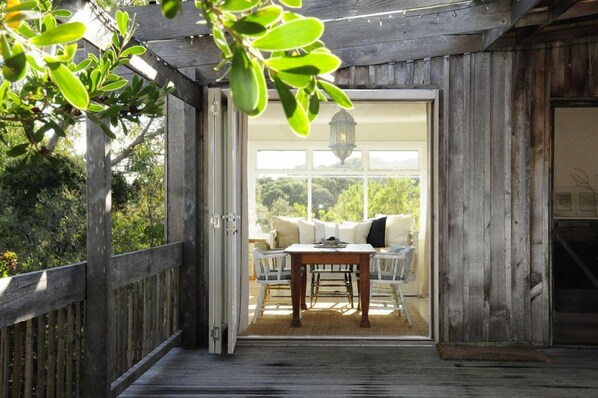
227 232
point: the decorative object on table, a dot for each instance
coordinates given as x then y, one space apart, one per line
330 243
342 135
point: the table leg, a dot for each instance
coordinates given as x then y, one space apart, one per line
296 288
303 287
364 287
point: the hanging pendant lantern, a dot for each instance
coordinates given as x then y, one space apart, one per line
342 135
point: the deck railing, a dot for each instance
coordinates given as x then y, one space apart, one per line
42 323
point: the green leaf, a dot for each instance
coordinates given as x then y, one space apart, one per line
221 43
114 86
288 16
294 34
262 90
69 85
17 150
336 94
244 82
291 3
93 107
133 50
107 131
122 20
248 28
62 13
295 80
15 66
49 22
170 8
26 31
307 64
314 108
292 109
264 16
65 33
239 5
26 5
3 89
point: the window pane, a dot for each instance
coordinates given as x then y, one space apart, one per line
337 198
326 160
394 195
279 196
281 160
394 160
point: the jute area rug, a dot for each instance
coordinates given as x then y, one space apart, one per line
342 321
491 353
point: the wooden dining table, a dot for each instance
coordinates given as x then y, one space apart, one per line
307 254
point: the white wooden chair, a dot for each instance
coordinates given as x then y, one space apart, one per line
392 270
271 269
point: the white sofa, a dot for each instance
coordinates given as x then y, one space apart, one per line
385 233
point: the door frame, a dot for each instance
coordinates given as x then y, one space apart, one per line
432 98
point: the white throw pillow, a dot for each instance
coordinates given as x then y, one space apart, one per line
307 233
325 230
398 228
362 230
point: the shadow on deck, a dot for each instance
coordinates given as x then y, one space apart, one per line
343 371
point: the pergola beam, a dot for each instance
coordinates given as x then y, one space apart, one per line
556 10
190 23
100 27
519 9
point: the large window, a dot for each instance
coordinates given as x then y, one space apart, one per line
312 183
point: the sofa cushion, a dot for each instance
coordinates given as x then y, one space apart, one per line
307 233
398 228
287 230
377 235
362 230
325 230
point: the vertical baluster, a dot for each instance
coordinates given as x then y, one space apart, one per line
146 317
70 341
17 360
51 375
40 378
78 349
130 316
60 355
4 359
28 387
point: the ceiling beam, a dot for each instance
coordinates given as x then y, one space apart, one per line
99 34
154 26
518 10
555 11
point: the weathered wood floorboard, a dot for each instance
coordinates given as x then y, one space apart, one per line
363 371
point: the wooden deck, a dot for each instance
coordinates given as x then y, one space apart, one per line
342 371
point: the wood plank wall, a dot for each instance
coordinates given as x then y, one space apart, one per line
495 165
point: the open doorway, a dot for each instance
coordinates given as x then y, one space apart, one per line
575 225
296 185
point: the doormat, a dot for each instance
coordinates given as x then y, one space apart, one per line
487 353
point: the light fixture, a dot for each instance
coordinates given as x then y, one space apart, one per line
342 135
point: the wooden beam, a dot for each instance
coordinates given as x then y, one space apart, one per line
130 267
98 344
30 295
554 12
518 11
154 26
129 377
183 165
100 27
403 50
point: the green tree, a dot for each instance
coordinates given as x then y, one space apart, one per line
394 196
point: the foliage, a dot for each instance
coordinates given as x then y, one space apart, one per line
336 198
42 217
8 264
45 89
258 37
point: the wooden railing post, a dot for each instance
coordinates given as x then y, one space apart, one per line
182 223
98 349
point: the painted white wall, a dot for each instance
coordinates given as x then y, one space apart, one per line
575 144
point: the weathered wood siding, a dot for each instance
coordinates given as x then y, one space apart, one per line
494 159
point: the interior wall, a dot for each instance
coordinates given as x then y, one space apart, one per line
495 129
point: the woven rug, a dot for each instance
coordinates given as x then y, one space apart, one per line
342 321
491 353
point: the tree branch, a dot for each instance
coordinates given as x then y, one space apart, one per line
145 135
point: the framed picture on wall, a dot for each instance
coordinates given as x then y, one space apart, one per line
563 203
587 204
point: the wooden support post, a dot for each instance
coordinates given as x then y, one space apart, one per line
98 348
182 223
